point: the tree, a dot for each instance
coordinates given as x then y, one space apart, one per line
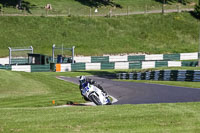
197 10
19 4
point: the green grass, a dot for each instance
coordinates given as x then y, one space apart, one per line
170 33
74 7
177 117
26 107
20 89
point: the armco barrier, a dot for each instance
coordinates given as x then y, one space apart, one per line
163 75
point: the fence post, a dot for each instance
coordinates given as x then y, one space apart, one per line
145 10
2 11
69 12
178 8
110 13
90 12
163 7
127 10
46 12
24 11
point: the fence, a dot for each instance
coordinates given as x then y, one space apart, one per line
122 65
138 8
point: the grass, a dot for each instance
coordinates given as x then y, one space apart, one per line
177 117
152 34
81 7
20 89
26 106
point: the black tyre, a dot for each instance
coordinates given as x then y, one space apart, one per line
95 99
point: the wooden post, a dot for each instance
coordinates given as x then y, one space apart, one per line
1 11
145 10
69 12
24 11
163 7
90 12
178 8
127 10
110 13
46 12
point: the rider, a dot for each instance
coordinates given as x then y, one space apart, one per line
84 80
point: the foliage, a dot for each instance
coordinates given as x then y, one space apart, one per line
197 11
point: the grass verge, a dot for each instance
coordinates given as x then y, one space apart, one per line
177 117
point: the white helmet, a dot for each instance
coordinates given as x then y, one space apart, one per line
82 79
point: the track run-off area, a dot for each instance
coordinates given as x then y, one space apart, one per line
142 93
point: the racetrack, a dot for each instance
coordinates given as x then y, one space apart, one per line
143 93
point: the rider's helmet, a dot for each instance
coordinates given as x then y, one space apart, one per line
82 79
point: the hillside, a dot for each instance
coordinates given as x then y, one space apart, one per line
155 33
82 7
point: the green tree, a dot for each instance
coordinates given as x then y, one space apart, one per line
197 10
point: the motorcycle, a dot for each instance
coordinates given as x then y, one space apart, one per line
96 95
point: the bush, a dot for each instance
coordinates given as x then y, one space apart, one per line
197 11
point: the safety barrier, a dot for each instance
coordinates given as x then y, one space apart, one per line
6 67
29 68
163 75
129 58
125 58
122 65
4 61
24 68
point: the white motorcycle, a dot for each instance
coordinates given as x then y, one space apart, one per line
95 95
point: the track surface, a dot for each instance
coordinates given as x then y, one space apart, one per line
141 93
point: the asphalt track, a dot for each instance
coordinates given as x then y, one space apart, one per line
143 93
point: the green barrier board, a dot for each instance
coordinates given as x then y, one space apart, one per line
110 65
97 59
136 58
171 56
19 61
78 66
5 67
135 65
40 68
161 64
189 63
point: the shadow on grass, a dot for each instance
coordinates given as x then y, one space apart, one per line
13 3
173 1
195 15
99 3
104 74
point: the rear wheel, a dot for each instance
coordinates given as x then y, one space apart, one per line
95 99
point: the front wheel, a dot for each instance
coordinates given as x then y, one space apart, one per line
95 99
